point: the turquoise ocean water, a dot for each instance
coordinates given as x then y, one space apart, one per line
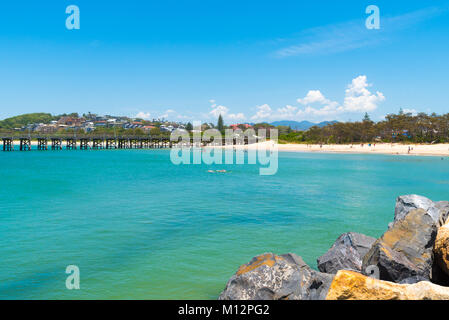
139 227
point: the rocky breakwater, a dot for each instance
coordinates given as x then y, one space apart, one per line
272 277
409 261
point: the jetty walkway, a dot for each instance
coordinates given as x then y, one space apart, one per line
98 143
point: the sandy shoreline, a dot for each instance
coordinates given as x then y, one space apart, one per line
378 148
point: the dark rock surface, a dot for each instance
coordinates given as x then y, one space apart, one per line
414 279
271 277
404 204
346 253
406 249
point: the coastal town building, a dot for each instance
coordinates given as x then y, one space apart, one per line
90 122
242 126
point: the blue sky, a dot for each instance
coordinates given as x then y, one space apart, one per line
249 60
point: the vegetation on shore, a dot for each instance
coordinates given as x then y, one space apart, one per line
396 128
24 119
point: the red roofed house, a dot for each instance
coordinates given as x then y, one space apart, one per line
240 126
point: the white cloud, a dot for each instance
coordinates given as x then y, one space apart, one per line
359 99
325 111
412 111
323 106
218 110
143 115
167 113
263 112
287 111
316 104
236 116
314 96
313 106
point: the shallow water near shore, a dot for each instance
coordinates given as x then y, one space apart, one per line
139 227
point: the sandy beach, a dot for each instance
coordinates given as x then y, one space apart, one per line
378 148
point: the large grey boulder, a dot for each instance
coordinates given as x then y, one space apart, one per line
405 204
346 253
404 251
272 277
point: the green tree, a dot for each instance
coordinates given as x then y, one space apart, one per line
283 130
155 132
25 119
220 125
366 117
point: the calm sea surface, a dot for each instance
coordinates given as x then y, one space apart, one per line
139 227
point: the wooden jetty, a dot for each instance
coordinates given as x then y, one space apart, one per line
25 144
56 144
99 143
8 144
42 143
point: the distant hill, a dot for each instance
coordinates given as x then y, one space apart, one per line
24 119
303 125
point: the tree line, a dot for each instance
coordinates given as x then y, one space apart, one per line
401 127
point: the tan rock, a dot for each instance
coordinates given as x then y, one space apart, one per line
441 248
273 277
349 285
425 290
267 259
405 250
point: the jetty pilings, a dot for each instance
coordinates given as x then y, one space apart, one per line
42 144
8 144
70 144
56 144
25 144
98 143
